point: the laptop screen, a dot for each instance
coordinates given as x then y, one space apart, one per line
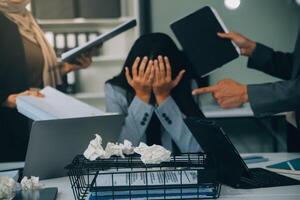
214 141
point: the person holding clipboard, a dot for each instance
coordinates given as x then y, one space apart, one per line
27 61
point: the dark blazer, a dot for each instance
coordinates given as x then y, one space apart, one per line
283 96
14 132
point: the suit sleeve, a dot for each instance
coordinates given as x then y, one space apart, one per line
137 115
271 98
171 118
277 64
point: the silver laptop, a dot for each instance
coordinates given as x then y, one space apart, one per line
53 144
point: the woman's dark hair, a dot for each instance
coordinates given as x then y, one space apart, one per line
155 44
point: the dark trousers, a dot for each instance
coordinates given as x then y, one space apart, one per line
293 138
14 135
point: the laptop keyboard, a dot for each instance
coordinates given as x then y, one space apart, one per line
265 178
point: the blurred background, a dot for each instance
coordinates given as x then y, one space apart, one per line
69 23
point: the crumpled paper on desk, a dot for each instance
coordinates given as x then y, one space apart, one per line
95 149
7 188
31 183
154 154
113 149
127 147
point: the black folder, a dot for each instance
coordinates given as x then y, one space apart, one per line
197 34
71 55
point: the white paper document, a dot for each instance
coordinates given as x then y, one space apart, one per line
55 105
180 184
152 178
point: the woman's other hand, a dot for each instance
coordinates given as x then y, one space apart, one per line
12 99
84 61
163 83
142 78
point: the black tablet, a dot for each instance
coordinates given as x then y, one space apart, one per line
197 34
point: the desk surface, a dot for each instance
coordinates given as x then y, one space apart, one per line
275 193
215 111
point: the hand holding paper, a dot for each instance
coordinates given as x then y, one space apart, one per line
12 99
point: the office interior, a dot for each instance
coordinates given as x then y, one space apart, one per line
271 22
275 23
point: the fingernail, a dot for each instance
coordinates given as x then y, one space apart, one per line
145 58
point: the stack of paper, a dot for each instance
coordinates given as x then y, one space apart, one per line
55 105
178 184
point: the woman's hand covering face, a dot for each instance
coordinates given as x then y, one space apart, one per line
163 83
142 78
152 76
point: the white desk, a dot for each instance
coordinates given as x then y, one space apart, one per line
215 111
275 193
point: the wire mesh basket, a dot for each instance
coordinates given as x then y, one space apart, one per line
186 176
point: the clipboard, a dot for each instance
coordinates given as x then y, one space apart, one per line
71 55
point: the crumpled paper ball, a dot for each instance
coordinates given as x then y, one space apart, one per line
127 147
113 149
7 187
31 183
95 149
154 154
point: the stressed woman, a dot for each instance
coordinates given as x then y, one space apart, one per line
153 91
26 61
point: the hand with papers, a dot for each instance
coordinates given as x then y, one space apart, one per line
54 105
12 99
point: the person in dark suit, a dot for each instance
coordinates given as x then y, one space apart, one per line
26 61
269 98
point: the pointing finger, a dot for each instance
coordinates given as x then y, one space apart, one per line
204 90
